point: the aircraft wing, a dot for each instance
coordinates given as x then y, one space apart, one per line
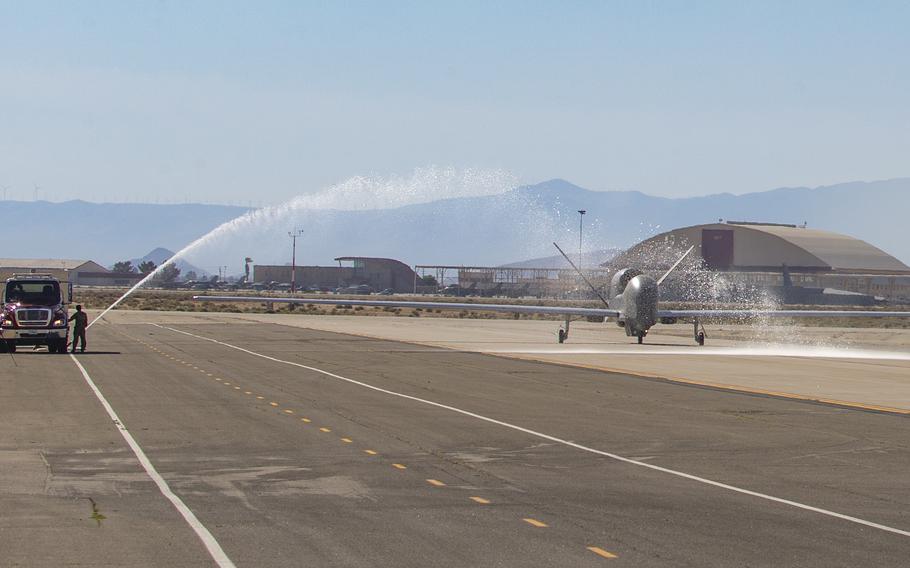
745 314
505 308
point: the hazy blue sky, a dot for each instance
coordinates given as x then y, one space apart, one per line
221 101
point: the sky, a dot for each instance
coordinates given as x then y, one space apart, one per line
257 102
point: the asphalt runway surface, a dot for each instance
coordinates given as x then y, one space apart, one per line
295 447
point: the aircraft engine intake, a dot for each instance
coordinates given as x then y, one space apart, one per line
621 280
640 304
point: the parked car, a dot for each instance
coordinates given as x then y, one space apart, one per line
362 289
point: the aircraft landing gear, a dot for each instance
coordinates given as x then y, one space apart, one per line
699 331
563 333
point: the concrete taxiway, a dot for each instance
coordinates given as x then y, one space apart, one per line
293 444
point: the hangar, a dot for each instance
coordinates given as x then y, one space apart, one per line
774 255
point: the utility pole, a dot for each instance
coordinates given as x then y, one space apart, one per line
581 219
294 234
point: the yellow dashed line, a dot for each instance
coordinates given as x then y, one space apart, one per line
324 429
535 523
480 500
289 412
436 482
227 383
601 552
209 374
370 452
247 392
307 420
274 403
399 466
347 440
236 388
261 397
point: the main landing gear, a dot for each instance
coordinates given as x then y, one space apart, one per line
699 331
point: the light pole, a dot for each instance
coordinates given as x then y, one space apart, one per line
581 218
294 234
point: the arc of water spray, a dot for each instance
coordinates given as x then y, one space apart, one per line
445 183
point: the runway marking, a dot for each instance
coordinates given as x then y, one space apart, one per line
347 440
436 482
227 383
218 379
208 540
399 466
273 403
289 411
562 441
601 552
480 500
247 392
370 452
307 420
324 429
260 397
536 523
236 388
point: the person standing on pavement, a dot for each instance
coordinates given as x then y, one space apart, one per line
79 327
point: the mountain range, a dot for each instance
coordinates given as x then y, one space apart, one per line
487 230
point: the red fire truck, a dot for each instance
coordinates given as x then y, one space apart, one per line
35 312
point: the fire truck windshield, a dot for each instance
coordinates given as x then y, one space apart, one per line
43 293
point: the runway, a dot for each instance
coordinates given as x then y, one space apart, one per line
295 446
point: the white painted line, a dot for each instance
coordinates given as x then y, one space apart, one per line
569 443
790 351
214 549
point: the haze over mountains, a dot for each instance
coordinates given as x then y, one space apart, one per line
489 230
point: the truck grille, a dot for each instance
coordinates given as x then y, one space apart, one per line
33 317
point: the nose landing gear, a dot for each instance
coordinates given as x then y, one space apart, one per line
563 332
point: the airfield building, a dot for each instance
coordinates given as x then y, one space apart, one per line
79 272
377 273
776 256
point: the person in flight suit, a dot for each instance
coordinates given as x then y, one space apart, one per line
79 327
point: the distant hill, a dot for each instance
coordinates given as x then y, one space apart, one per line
490 230
160 255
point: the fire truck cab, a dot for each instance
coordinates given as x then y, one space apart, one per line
35 312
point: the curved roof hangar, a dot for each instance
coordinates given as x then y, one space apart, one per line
742 246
